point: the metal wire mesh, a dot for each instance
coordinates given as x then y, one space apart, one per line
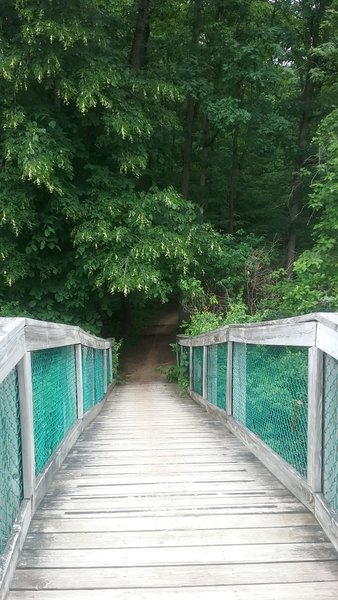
270 397
330 433
11 483
212 374
54 400
216 374
109 367
98 375
88 378
197 363
92 377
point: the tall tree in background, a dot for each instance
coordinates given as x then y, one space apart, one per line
97 198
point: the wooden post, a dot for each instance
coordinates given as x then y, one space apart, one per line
191 367
27 424
228 402
110 358
105 372
315 416
205 373
79 381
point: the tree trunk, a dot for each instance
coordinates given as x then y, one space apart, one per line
138 53
191 109
296 203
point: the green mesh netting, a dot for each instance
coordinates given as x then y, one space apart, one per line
11 483
88 378
109 369
217 373
98 375
330 432
270 397
92 377
212 374
197 364
54 400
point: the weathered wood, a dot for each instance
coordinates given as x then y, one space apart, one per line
286 591
180 575
153 557
315 423
27 424
12 349
201 522
297 334
40 335
229 380
327 340
159 499
220 335
174 538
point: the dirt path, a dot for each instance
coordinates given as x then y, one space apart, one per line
152 350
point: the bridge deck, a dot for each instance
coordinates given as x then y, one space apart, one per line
157 500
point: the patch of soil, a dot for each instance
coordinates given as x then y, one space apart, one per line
142 361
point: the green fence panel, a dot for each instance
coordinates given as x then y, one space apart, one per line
197 363
98 375
54 400
330 433
109 369
222 363
212 374
88 381
11 481
270 397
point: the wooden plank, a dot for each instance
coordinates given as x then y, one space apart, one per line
152 557
27 424
299 334
286 591
40 335
327 340
96 524
168 503
224 334
174 538
228 402
228 486
158 496
180 575
12 350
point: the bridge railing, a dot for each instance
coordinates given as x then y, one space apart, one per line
53 381
276 386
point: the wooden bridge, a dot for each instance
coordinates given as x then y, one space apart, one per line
158 497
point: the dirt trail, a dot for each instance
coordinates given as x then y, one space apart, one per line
152 349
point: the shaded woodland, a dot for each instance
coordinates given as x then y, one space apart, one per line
173 150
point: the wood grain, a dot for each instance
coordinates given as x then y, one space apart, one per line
158 500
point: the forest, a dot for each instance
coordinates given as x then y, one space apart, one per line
159 151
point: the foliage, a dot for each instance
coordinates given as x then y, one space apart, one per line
92 151
179 373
